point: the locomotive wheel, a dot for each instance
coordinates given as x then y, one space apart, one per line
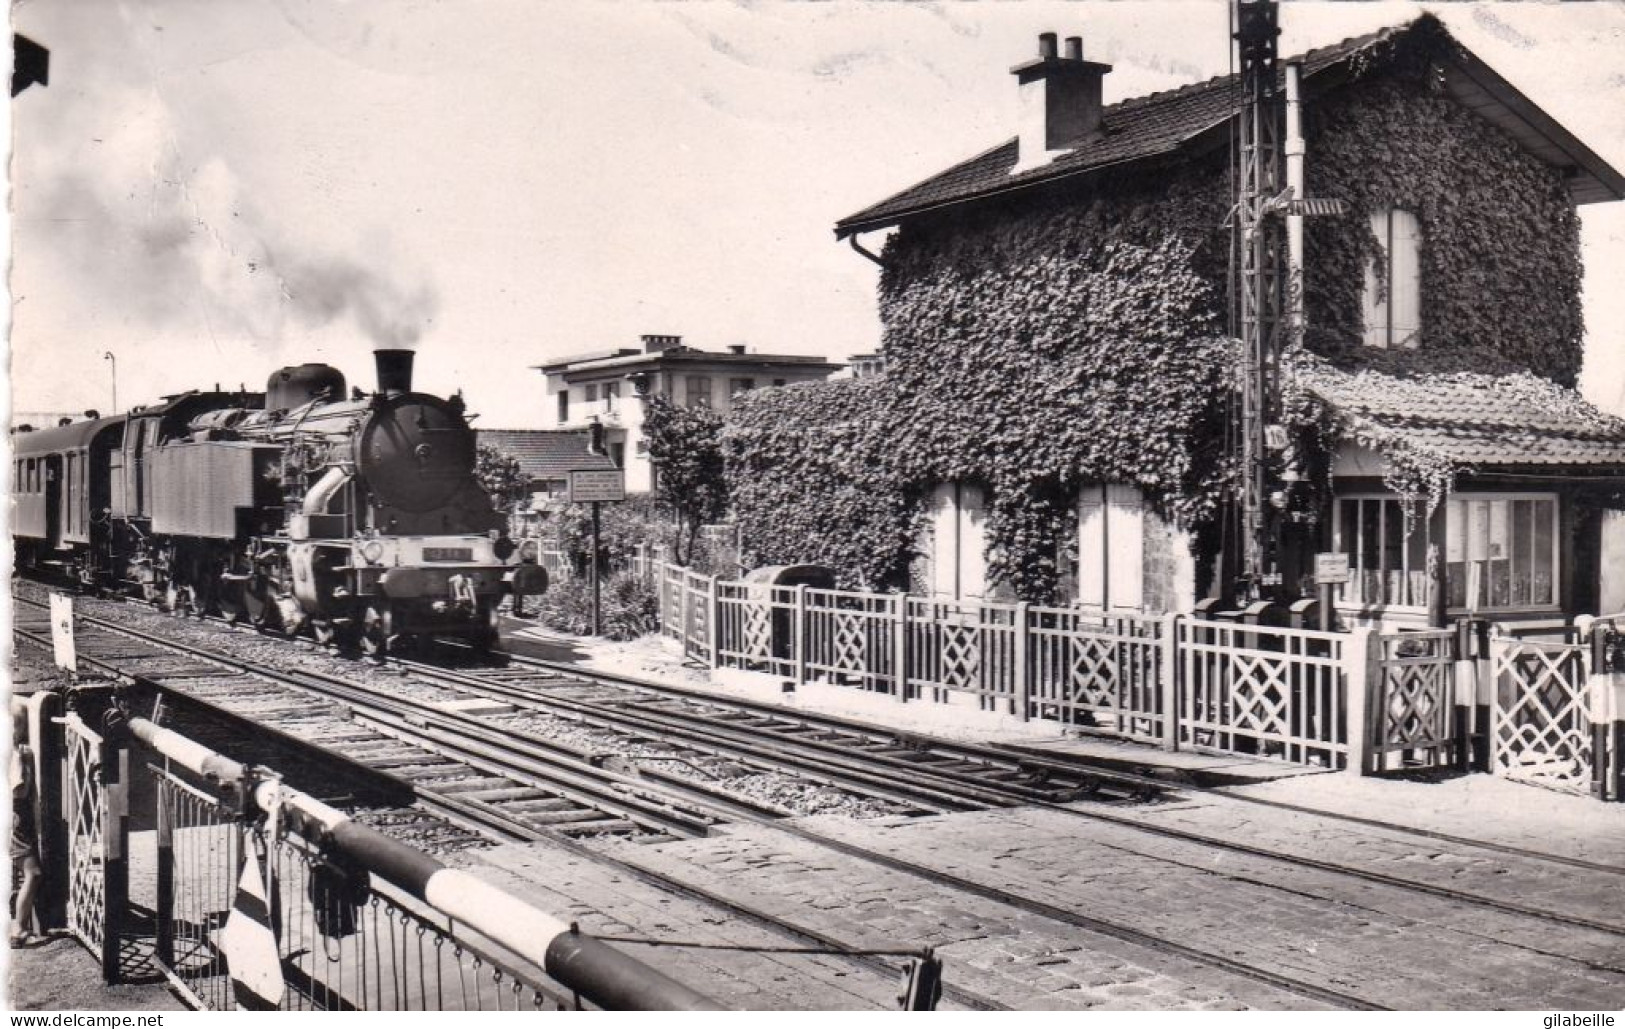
258 608
375 626
232 607
323 631
487 631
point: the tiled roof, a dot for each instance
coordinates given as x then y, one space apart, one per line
1163 124
1135 129
546 455
1474 420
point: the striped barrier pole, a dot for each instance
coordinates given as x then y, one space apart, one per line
597 971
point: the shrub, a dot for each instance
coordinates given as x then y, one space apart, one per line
628 607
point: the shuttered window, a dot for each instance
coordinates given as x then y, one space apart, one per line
1111 547
1393 281
958 547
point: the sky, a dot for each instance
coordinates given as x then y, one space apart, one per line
211 189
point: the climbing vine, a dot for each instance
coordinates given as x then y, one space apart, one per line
1076 334
1500 248
812 474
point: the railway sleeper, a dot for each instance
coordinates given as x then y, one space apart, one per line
605 827
407 764
541 805
425 771
580 814
494 794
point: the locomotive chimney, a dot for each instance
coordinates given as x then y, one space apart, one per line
394 370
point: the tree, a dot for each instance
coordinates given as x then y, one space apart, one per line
500 475
685 445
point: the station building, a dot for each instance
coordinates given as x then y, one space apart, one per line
1434 433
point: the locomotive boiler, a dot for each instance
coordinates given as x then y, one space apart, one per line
356 516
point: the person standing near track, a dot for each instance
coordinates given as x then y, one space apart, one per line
24 833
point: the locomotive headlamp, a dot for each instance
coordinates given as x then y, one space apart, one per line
372 551
528 550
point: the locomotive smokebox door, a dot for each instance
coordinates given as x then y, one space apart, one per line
415 453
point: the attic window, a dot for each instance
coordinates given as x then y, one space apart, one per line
1393 281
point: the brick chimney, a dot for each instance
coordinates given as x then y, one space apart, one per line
655 344
1060 102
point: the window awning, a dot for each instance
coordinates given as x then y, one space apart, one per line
1473 420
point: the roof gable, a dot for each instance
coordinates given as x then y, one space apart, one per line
1194 118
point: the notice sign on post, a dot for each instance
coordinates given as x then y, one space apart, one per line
1331 569
62 632
590 487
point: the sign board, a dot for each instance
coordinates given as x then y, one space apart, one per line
608 485
1331 569
62 632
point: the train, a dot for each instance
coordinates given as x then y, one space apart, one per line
354 517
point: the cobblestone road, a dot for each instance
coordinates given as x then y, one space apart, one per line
1020 959
610 903
1388 945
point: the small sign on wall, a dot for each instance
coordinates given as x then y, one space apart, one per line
1331 569
62 632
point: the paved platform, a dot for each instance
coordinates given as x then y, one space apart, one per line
1387 944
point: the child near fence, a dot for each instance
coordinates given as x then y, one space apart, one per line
25 927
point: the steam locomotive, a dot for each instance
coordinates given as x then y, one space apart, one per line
357 517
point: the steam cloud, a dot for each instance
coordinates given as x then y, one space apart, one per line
152 231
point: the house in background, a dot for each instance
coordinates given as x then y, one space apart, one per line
609 387
546 458
1442 341
862 366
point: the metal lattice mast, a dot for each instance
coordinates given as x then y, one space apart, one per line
1260 182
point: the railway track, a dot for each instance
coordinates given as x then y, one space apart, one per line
315 717
1062 767
717 726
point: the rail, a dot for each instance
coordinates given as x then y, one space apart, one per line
324 841
263 897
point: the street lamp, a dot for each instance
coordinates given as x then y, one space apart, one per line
108 356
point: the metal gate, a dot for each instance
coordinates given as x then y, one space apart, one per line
1540 729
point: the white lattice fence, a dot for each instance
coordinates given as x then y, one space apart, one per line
86 802
671 601
1540 729
697 614
1266 691
962 647
851 638
756 627
1097 668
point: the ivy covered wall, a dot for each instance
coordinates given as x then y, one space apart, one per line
1500 247
812 480
1045 340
